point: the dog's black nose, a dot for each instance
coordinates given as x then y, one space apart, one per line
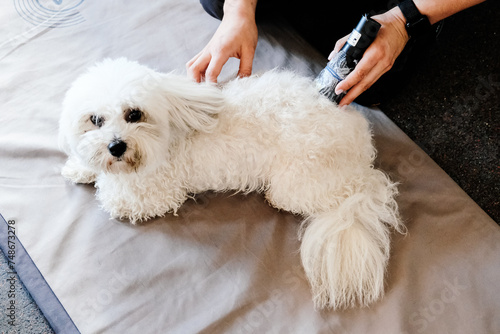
117 148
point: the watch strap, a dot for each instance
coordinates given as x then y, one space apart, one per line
416 23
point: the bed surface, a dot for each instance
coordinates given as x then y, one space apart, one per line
225 264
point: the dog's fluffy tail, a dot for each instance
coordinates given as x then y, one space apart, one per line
345 251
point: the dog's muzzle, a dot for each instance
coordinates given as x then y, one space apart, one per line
117 148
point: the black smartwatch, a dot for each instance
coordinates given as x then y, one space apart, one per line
416 23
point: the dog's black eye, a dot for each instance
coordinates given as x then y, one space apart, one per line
97 121
133 115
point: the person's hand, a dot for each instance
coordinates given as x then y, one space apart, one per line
378 58
236 37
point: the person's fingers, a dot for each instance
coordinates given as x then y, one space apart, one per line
338 45
189 66
236 37
361 71
215 67
198 66
377 60
371 67
246 63
362 86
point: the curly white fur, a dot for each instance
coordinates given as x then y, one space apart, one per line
272 133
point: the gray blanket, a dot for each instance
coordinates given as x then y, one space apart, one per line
226 264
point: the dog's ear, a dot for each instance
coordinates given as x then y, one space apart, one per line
191 105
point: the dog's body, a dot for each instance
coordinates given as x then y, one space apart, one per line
273 134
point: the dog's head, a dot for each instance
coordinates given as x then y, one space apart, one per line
121 116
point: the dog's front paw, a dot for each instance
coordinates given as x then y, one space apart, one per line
76 173
134 211
138 198
129 213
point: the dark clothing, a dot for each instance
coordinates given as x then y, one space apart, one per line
322 23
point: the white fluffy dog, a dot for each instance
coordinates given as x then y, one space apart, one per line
150 140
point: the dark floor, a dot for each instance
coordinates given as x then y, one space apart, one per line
27 317
450 108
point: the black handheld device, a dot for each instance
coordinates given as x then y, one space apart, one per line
347 58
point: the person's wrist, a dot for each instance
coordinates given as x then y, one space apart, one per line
417 24
242 10
395 18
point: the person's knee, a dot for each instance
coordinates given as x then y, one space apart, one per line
213 7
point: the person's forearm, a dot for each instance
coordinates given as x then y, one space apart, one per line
240 8
439 10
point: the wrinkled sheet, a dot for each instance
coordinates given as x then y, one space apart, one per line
226 264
